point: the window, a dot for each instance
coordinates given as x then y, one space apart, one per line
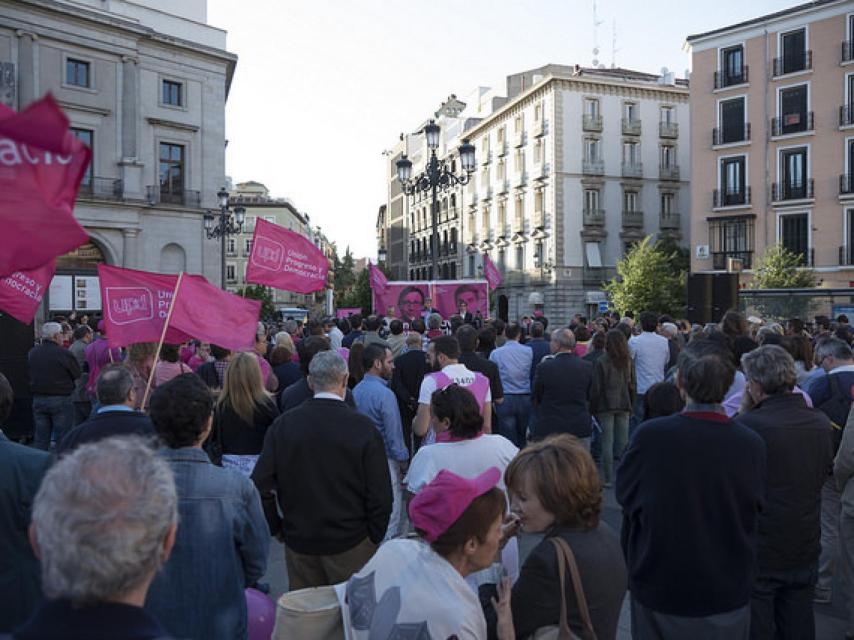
732 121
668 156
667 115
471 265
732 65
231 272
520 256
631 153
500 134
171 172
668 204
453 271
538 255
594 255
591 107
538 151
733 181
518 124
78 73
518 161
502 169
502 260
630 200
538 112
793 170
731 238
520 213
502 216
247 246
249 224
591 149
591 199
794 234
538 201
630 111
793 111
230 246
86 136
793 51
173 93
484 220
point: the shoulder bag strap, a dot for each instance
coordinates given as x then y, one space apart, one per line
564 632
569 558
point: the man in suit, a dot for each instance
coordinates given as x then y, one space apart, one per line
538 345
562 391
325 464
21 472
115 416
409 370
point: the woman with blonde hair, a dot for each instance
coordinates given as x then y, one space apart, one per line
243 413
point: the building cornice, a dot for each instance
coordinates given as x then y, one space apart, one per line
171 124
84 108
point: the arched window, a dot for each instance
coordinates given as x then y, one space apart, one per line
173 259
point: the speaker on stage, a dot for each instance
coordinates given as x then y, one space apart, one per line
724 294
699 298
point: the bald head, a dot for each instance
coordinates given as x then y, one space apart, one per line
563 340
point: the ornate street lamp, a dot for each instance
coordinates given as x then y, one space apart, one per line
437 175
382 254
224 224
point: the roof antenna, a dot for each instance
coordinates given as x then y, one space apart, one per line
596 24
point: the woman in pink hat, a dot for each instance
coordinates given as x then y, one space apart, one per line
417 585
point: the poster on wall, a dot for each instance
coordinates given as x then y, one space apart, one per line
449 295
60 293
408 300
87 293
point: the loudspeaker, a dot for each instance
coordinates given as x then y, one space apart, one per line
724 294
698 295
16 343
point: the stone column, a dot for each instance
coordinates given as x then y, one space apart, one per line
26 68
130 100
130 258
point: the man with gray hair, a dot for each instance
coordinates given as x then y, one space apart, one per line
325 464
53 373
104 522
561 393
115 416
671 332
799 443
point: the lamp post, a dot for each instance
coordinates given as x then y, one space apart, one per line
436 175
223 225
382 254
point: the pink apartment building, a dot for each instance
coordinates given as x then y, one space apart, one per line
772 140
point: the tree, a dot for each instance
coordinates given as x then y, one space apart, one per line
360 294
344 277
262 293
780 268
647 281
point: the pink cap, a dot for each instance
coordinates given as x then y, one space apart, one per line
441 503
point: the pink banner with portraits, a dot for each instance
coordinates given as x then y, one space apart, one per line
409 300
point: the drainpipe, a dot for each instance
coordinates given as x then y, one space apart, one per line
766 86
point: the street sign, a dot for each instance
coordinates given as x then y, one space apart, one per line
603 306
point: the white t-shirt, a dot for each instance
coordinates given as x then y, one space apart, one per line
459 373
466 458
408 587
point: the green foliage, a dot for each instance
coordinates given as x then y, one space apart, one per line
359 295
262 293
780 268
678 257
343 271
649 278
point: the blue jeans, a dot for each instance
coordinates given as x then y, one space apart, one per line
53 416
513 417
781 604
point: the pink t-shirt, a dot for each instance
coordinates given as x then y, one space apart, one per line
165 371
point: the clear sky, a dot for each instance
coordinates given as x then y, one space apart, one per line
322 87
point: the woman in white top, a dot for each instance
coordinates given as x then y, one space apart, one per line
461 445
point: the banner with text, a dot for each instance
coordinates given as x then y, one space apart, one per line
285 260
22 292
408 300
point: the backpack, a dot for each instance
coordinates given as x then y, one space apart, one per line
837 407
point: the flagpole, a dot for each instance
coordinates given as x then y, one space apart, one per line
160 344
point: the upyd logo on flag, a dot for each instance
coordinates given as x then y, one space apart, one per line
41 166
285 260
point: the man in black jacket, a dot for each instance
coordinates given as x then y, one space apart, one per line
800 453
326 465
561 391
467 337
116 415
53 372
406 379
300 391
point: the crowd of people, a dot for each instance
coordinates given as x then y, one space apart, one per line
409 461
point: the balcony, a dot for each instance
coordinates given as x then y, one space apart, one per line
668 172
631 127
519 139
632 169
593 167
591 122
792 123
669 220
633 219
93 188
846 115
848 51
731 135
730 198
846 256
719 259
596 276
668 129
724 79
785 191
792 64
594 218
846 185
184 198
539 128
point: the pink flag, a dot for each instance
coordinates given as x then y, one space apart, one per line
492 275
41 165
285 260
136 304
379 282
212 315
22 292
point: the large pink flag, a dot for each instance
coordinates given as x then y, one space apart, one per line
22 292
491 273
213 315
379 282
41 166
136 304
285 260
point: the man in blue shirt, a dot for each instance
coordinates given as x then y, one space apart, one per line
514 366
375 400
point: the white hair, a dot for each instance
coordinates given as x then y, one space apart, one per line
326 370
670 329
101 517
50 329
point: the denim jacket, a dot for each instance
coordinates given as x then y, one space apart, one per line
221 548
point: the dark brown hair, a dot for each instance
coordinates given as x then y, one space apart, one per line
617 349
475 522
280 355
459 407
565 479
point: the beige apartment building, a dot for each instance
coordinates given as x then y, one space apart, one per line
772 140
